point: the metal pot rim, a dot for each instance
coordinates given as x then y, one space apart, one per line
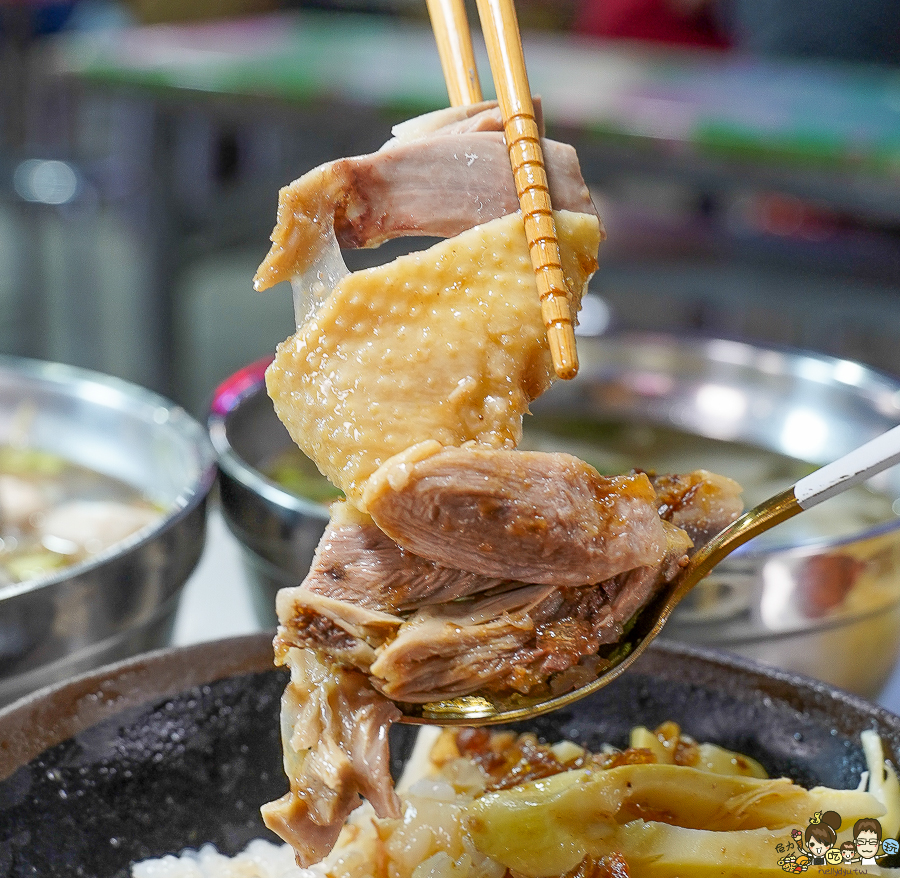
80 702
87 383
228 397
249 381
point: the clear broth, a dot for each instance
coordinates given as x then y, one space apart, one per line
55 513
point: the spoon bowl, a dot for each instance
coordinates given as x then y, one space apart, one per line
828 481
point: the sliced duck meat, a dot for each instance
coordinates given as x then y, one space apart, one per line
508 637
358 604
357 562
375 622
532 516
519 639
458 564
427 181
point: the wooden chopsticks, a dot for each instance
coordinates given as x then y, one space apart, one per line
454 42
504 44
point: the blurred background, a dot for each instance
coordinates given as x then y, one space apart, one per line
745 156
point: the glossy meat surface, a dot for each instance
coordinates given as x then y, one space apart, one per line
527 515
444 345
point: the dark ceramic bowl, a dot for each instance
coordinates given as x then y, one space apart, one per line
180 747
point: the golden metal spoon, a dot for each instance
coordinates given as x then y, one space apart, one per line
828 481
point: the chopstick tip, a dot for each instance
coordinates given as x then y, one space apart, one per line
564 354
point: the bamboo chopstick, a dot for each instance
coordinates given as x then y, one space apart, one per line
504 45
454 42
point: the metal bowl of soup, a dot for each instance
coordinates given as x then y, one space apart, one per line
819 595
103 494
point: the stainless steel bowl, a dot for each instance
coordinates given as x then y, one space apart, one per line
277 530
124 599
824 605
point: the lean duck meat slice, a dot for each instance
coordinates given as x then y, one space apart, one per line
513 637
422 631
532 516
358 563
519 639
355 562
444 173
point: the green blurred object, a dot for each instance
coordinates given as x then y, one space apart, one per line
295 472
30 461
168 11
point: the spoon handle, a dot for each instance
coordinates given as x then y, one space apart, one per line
827 481
851 469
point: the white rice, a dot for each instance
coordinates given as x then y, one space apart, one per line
260 859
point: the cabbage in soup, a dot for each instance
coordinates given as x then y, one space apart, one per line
55 513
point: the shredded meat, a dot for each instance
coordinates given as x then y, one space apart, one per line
522 638
505 636
458 565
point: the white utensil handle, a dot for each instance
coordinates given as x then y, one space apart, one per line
857 466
